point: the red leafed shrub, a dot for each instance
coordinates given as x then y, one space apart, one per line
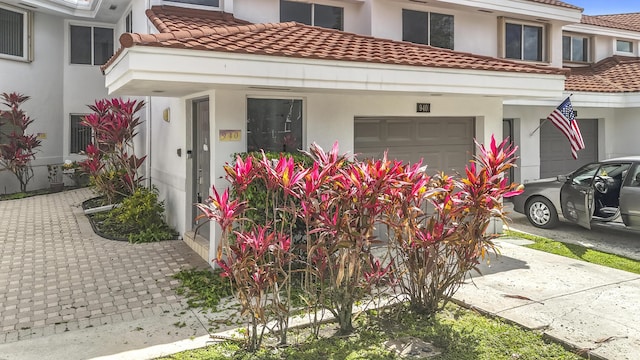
437 230
17 148
111 161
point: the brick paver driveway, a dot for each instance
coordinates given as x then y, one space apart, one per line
56 275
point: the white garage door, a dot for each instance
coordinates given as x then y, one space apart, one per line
555 151
445 144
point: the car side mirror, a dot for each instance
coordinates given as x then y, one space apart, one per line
563 178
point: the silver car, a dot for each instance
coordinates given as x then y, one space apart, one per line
601 191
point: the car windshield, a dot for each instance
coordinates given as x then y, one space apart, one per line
585 174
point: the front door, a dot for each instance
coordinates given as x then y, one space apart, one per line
201 162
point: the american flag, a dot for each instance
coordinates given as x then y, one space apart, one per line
564 119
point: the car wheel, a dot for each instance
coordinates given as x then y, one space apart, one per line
541 213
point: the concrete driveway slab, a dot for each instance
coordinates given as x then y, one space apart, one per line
588 306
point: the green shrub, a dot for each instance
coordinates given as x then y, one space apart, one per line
140 217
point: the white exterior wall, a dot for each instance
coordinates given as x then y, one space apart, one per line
327 118
624 133
42 81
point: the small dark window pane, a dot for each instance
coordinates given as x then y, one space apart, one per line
215 3
80 45
80 135
295 11
441 27
415 26
513 41
330 17
128 27
532 43
579 49
274 125
103 45
11 33
566 48
624 46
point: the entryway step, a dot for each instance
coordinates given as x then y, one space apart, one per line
198 244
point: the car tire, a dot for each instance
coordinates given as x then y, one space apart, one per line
541 213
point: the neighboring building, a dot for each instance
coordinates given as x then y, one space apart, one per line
421 79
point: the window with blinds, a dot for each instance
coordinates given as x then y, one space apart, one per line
14 33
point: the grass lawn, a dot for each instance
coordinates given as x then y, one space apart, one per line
458 333
579 252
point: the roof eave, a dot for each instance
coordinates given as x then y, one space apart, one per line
154 71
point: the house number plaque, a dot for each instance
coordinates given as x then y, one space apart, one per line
229 135
423 107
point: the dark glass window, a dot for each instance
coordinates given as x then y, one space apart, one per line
575 48
128 22
330 17
624 46
523 42
295 11
80 135
415 26
427 28
80 45
12 33
91 45
532 40
441 30
102 45
274 125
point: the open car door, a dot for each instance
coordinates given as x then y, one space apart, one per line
630 199
577 195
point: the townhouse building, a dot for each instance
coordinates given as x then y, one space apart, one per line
421 79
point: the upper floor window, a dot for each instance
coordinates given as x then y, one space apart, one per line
212 3
330 17
575 48
427 28
624 46
14 33
91 45
523 41
128 23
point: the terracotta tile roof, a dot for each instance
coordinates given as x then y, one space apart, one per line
629 22
616 74
174 18
558 3
293 39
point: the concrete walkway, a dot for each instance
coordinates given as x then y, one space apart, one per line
68 294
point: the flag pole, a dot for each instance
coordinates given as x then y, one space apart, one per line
542 123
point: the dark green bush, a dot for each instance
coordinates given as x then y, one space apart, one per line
140 217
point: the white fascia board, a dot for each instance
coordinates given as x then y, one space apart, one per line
585 99
70 10
209 69
602 31
527 8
